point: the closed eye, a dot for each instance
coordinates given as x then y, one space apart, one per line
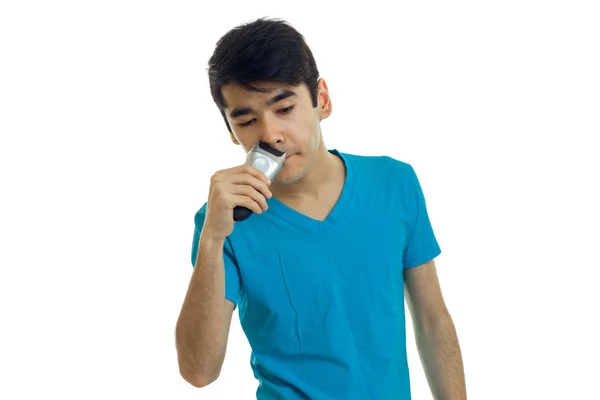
284 111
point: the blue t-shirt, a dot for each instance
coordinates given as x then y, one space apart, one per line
322 302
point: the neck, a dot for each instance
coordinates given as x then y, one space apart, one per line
316 181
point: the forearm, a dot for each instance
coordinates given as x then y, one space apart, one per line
201 331
441 357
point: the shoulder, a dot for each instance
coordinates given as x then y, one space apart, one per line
248 228
383 165
199 217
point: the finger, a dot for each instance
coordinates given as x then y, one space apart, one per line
244 168
245 201
248 169
246 179
249 191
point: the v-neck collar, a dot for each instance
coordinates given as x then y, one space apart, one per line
280 209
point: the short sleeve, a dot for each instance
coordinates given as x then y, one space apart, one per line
232 272
421 244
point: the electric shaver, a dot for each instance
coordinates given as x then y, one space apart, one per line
267 160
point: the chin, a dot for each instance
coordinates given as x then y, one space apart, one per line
285 178
290 173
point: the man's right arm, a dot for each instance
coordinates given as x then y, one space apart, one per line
203 325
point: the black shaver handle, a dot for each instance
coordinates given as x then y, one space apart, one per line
241 213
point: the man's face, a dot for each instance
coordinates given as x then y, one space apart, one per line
284 118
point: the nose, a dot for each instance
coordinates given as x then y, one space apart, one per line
271 131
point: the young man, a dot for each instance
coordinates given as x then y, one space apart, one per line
319 270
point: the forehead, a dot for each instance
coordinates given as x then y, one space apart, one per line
236 95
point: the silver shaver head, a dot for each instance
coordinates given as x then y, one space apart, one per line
266 159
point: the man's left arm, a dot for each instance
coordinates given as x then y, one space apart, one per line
435 334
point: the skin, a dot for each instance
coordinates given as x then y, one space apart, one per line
311 182
435 334
203 325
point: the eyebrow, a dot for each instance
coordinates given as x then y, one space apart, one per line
239 111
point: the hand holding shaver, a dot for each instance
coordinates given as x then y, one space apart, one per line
267 160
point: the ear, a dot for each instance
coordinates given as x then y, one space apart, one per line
324 101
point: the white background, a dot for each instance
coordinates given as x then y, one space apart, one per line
109 137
